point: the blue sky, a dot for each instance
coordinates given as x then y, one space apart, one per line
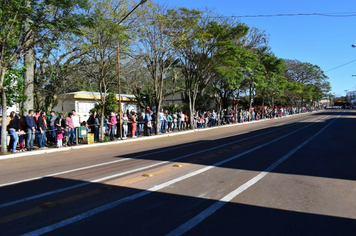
320 40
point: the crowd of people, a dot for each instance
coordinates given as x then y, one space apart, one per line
44 131
143 124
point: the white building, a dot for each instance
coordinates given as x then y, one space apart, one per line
15 108
83 101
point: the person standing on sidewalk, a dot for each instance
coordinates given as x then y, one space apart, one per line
52 127
161 121
35 117
133 124
41 126
112 126
31 130
76 123
14 127
125 122
141 123
148 122
70 125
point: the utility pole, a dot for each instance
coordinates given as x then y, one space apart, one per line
118 65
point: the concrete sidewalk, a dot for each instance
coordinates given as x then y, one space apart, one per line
119 142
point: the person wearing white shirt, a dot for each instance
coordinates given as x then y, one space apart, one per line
76 124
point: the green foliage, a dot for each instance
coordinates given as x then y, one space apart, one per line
26 23
111 104
105 139
14 85
272 82
307 82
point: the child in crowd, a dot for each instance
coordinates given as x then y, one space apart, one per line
22 134
21 140
60 125
60 133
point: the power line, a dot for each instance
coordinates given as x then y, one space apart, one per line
341 65
339 14
335 14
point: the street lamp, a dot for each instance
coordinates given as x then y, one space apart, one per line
118 63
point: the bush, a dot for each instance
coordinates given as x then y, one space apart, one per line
106 139
110 105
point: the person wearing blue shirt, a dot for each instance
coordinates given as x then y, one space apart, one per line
213 118
31 130
148 119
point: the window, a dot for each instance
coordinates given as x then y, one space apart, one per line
85 107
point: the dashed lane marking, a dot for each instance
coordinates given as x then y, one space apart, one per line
177 165
49 204
147 175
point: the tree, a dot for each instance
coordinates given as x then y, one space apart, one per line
24 24
305 76
99 44
55 73
198 50
110 105
273 81
252 73
137 81
228 74
157 36
14 86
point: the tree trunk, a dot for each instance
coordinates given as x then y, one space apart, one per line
3 127
102 133
250 97
272 99
29 76
191 110
225 103
263 107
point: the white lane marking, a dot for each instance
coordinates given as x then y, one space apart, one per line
146 192
127 172
216 206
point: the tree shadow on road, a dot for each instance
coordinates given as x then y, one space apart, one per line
155 213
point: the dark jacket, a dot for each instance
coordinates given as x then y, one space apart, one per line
41 123
15 124
30 122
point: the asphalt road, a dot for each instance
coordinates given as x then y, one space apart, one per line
290 176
